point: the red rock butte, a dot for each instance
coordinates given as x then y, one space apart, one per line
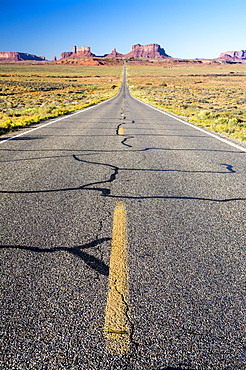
233 56
151 51
147 51
12 56
139 54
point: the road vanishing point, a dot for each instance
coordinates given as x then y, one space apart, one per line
123 243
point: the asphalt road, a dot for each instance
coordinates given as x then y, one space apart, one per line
184 195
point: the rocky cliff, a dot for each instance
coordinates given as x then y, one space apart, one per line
233 56
9 56
82 52
65 54
138 51
114 54
147 51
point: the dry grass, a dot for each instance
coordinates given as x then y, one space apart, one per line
31 93
213 96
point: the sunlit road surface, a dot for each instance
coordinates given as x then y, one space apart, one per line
168 199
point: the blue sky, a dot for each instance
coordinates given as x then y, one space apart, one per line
185 29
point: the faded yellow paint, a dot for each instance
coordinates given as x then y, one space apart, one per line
117 325
121 131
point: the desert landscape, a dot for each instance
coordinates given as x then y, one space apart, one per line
32 93
123 142
212 96
206 92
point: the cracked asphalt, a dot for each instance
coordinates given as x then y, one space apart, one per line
184 193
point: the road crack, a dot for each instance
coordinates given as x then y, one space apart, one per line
127 138
105 191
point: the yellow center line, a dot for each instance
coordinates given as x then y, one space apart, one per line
117 327
121 131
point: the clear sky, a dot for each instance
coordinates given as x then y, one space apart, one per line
184 28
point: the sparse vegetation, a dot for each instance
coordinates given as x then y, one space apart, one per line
212 96
31 93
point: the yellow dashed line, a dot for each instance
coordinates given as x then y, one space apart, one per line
117 327
121 131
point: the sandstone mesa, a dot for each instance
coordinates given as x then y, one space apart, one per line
151 51
233 56
83 55
18 57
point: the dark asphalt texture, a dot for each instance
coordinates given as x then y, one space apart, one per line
185 198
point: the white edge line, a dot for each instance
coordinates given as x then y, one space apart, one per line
59 119
148 105
191 125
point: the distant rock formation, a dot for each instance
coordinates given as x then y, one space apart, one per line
233 56
82 52
65 54
114 54
85 51
147 51
11 56
138 51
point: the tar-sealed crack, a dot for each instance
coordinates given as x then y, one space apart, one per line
229 167
127 137
112 178
118 127
124 141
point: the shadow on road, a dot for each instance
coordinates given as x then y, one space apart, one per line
90 260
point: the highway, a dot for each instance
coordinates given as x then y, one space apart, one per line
167 198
